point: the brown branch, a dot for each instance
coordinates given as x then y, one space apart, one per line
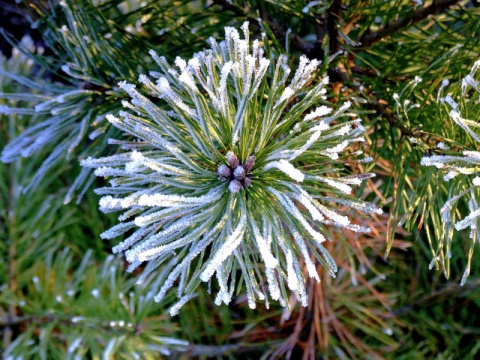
334 14
369 38
328 24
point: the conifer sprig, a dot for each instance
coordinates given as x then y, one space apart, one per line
79 86
462 170
233 172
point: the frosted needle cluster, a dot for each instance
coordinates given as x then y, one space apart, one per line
463 168
227 176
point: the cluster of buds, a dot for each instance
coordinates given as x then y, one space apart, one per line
238 174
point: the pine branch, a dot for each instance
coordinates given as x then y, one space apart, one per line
268 148
367 78
370 38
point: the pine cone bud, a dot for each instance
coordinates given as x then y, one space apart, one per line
247 181
224 171
248 165
235 186
232 159
239 173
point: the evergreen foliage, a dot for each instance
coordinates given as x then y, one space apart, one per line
233 135
209 173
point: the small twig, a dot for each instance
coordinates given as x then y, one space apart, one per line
350 24
369 38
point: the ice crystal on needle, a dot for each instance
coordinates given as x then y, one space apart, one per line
229 172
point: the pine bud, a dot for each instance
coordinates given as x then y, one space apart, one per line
235 186
224 171
247 181
232 159
249 164
239 173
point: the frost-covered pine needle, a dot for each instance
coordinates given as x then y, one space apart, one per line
463 169
228 172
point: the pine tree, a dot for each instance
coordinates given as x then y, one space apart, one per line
319 156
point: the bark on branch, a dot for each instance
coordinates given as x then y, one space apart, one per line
369 38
